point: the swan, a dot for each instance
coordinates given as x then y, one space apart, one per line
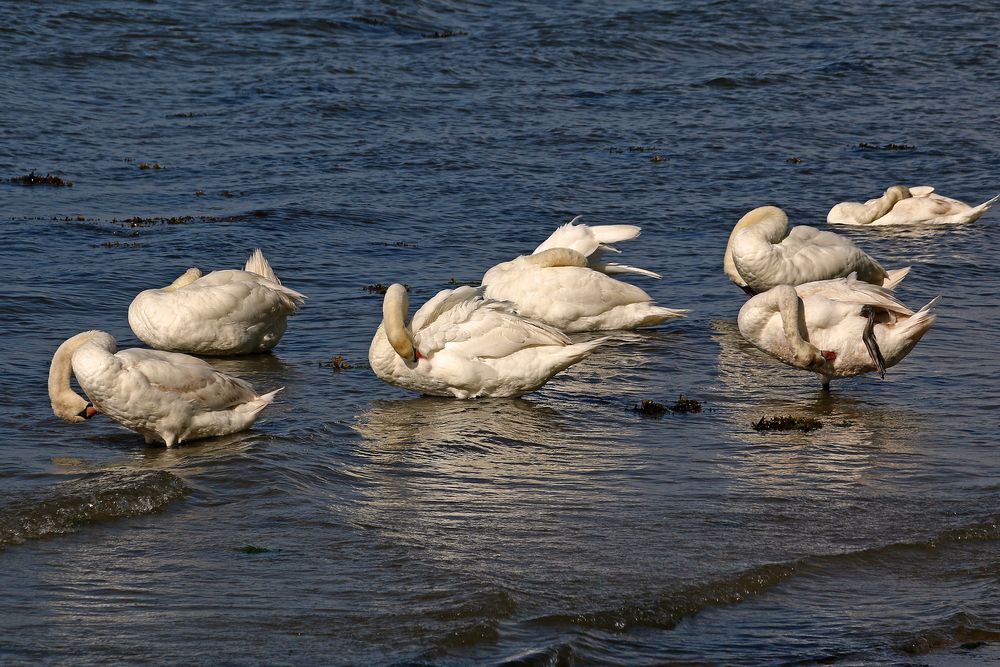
763 253
565 283
901 205
164 396
463 345
837 328
222 313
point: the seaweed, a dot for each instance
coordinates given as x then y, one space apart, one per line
47 179
864 145
683 405
380 288
441 34
150 165
251 549
787 423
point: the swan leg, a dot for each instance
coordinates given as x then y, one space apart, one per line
868 336
826 383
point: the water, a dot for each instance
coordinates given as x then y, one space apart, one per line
357 147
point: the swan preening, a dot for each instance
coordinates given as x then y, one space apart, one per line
463 345
900 205
836 328
565 283
223 313
164 396
762 253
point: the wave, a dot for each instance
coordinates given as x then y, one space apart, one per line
670 608
106 496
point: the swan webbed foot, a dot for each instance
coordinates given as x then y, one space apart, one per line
868 337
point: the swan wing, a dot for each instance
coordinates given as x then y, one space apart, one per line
808 253
853 291
183 377
485 328
587 240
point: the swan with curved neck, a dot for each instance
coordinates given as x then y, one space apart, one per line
836 328
900 205
565 282
762 253
164 396
222 313
462 345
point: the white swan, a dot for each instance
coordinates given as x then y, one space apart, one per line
222 313
460 344
837 328
164 396
564 283
901 205
763 253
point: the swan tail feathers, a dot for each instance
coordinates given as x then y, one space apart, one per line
894 277
259 265
256 405
614 267
985 206
608 234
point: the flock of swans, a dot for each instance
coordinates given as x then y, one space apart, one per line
817 303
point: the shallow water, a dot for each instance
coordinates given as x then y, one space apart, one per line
360 144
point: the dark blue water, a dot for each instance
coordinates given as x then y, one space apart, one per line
423 142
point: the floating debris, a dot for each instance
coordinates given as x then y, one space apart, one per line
683 405
787 423
338 363
251 549
794 160
199 193
650 408
885 147
136 221
441 34
119 244
190 114
47 179
657 158
150 165
686 405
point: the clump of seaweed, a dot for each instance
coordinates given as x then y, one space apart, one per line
885 147
199 193
369 20
686 405
136 221
189 114
47 179
119 244
251 549
787 423
649 408
794 160
150 165
338 363
471 283
657 158
683 405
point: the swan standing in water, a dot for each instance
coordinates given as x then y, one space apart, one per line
901 205
565 282
460 344
763 253
164 396
837 328
222 313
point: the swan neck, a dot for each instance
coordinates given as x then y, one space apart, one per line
557 257
185 278
394 308
66 403
760 227
786 301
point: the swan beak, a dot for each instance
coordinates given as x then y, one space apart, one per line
87 412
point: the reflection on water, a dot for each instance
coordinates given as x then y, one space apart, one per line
864 440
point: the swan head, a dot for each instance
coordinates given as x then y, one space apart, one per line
751 219
394 307
897 193
66 403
